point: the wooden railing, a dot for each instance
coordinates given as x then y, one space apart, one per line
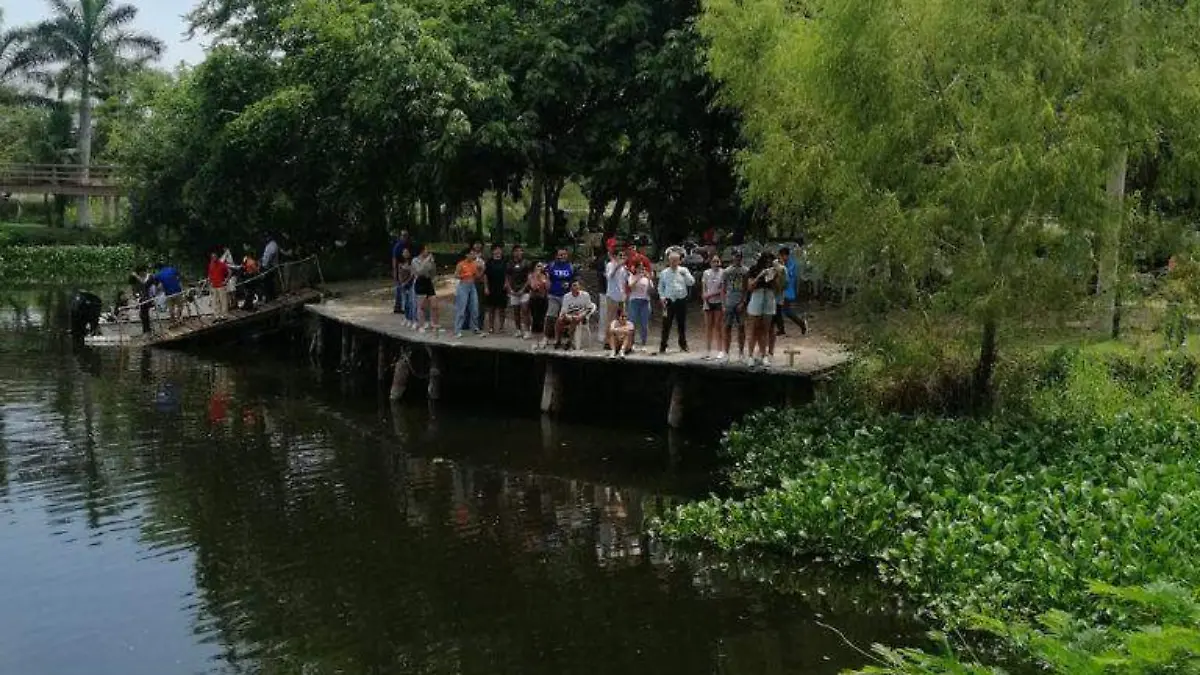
59 179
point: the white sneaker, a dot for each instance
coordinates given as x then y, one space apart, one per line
766 361
518 335
612 355
457 335
422 329
720 356
541 343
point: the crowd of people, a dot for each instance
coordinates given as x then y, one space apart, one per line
230 284
548 302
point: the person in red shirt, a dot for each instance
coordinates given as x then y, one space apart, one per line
218 278
634 258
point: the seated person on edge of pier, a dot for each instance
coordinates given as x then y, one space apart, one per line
577 307
620 334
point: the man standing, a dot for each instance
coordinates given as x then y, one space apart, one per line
733 296
673 285
268 264
171 283
517 285
218 276
561 273
790 294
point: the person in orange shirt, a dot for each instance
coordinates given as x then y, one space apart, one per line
466 296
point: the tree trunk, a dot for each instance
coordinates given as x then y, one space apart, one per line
533 217
49 211
982 384
85 140
553 191
1109 274
499 233
479 218
614 220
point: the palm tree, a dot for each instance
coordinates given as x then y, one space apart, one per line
10 43
81 37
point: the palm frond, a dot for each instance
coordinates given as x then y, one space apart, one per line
119 17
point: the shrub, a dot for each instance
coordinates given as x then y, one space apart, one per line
64 264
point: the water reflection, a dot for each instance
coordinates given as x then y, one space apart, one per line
163 513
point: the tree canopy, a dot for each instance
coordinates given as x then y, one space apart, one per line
956 152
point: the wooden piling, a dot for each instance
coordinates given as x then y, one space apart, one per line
435 375
344 364
551 389
400 377
675 409
381 362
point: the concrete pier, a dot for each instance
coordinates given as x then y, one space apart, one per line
682 387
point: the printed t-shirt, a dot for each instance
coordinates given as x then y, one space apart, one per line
577 304
561 275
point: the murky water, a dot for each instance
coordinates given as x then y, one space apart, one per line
238 513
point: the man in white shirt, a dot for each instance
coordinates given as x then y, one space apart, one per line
673 285
616 278
577 307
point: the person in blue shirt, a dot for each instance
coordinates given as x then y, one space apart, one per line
787 309
171 283
560 273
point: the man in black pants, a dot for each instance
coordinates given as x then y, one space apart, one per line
790 295
673 289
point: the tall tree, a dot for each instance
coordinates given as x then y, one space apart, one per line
963 141
81 38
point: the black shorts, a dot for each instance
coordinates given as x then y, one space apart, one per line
713 306
424 287
496 300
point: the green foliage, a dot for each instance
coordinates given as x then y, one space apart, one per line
1164 637
951 155
1008 516
64 264
23 234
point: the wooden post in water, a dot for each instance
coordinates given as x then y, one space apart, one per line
381 364
551 389
675 409
345 362
435 375
400 377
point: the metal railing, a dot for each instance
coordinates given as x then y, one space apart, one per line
58 175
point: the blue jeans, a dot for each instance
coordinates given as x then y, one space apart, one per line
466 306
639 314
410 301
400 306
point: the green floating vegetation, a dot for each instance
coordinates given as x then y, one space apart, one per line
64 264
1165 639
1009 516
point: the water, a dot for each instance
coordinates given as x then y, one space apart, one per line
236 513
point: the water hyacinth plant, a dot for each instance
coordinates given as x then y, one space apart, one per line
1008 516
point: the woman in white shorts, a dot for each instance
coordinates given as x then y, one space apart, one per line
763 283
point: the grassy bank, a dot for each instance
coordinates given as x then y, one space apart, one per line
33 234
1087 472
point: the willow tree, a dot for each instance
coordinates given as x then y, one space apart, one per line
83 38
956 150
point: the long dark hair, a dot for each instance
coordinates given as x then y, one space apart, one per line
765 262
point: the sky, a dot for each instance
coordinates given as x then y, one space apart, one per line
161 18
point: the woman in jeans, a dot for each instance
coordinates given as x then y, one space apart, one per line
638 291
539 302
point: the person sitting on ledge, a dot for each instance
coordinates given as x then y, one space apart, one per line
577 307
620 334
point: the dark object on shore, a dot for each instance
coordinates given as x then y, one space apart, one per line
85 314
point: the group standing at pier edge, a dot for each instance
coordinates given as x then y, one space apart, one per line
549 304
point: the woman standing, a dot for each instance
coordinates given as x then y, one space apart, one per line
761 306
406 296
638 290
466 295
539 302
711 290
424 269
495 276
